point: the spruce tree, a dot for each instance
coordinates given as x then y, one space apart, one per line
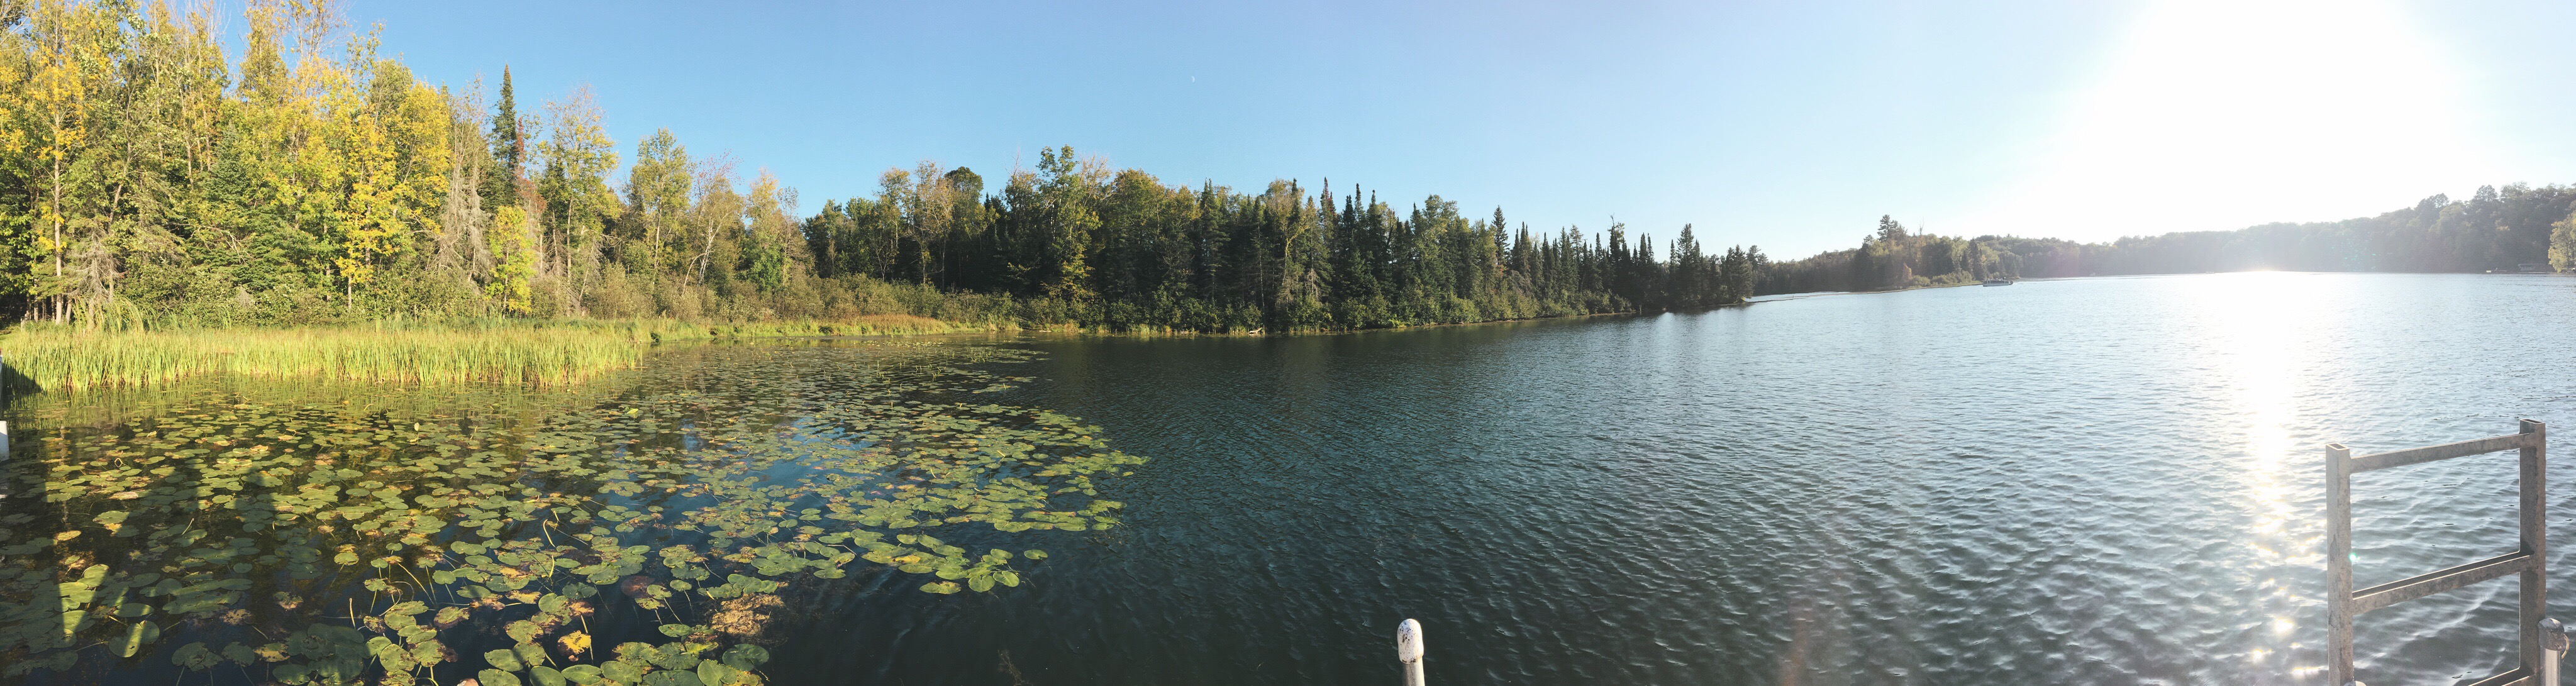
509 144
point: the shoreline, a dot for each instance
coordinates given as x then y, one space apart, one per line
43 358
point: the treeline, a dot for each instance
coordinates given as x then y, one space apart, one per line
149 181
2495 229
1124 250
1893 257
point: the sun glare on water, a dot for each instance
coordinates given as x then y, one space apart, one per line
2252 334
2255 342
2218 114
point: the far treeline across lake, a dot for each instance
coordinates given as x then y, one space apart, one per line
151 182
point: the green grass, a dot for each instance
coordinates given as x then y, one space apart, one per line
64 358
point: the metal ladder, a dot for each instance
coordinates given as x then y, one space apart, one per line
2543 641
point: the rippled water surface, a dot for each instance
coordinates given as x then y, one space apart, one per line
2076 481
2080 481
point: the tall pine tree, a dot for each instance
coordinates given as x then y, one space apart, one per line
509 148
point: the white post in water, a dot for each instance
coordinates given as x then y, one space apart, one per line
2553 645
4 405
1408 648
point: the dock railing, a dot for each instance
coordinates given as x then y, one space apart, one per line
2543 642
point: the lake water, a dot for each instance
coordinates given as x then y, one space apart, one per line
2076 481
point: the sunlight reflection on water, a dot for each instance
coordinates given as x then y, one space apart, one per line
2066 481
2254 327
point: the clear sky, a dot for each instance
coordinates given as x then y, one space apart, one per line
1791 125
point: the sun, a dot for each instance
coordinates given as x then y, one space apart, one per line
2214 115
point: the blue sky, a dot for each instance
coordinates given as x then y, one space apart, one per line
1790 125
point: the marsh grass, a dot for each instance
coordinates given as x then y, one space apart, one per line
64 358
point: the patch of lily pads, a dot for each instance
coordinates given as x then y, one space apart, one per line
345 542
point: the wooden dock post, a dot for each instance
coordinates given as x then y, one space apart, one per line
1408 649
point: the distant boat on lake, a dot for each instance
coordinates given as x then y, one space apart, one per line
1999 282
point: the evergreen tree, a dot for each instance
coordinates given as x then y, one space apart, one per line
509 145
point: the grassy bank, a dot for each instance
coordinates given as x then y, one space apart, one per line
61 358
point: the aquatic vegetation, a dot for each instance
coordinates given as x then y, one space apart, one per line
69 359
328 543
54 357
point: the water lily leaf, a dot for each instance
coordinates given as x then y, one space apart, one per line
546 676
144 632
672 678
713 673
677 655
745 657
504 660
622 671
575 643
428 651
195 657
940 587
495 677
582 674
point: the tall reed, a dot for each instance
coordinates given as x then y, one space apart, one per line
52 357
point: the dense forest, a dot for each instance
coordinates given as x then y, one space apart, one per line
2495 229
150 181
1124 250
147 181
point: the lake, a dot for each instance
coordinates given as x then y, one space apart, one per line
2111 480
